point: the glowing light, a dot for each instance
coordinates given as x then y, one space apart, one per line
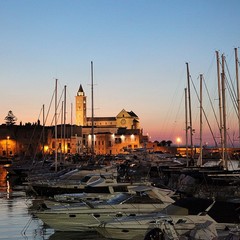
132 137
179 140
46 148
122 137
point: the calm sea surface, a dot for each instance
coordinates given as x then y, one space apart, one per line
16 222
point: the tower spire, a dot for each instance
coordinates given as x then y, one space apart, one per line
80 91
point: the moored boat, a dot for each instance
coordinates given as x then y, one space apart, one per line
88 214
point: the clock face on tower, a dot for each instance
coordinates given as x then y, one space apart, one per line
123 121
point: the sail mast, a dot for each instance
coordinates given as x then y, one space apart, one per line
56 144
92 146
64 123
238 93
220 104
190 111
224 114
201 123
43 137
186 124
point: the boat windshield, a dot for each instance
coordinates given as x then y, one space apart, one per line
119 198
127 198
85 179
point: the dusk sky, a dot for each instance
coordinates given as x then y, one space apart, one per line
139 49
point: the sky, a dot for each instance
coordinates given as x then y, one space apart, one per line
139 50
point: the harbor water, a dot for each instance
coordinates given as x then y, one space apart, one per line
17 222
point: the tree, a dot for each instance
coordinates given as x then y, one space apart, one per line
10 119
163 143
169 142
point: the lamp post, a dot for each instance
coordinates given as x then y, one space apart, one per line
7 145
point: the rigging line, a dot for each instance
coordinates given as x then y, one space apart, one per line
177 117
234 101
40 138
33 133
232 84
172 102
211 103
59 101
45 120
204 114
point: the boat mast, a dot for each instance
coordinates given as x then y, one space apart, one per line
64 123
61 134
220 105
190 111
224 114
71 129
201 123
186 125
92 146
56 144
43 136
238 93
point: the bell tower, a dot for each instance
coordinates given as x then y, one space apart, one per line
81 107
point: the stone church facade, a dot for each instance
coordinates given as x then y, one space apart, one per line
112 135
119 134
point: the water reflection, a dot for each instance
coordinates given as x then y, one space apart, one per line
5 188
75 236
3 177
17 222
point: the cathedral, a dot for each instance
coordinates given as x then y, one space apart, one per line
98 135
112 135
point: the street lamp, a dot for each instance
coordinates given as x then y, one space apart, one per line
178 140
7 145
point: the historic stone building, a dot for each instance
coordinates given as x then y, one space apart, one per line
112 135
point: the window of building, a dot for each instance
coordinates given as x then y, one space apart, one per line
118 140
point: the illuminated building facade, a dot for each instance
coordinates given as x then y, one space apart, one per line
112 135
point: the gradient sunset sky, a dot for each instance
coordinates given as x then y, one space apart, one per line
139 49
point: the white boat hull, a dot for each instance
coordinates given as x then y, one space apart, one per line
86 218
172 226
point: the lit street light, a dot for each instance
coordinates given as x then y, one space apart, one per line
7 145
178 141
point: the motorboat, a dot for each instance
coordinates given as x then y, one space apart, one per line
157 224
173 222
74 181
88 214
